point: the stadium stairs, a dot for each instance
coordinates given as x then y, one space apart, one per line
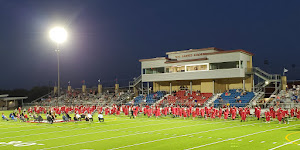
138 84
211 100
256 98
43 97
160 102
268 80
122 99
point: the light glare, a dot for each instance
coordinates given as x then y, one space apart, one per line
58 35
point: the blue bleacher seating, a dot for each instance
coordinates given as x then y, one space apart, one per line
245 99
150 99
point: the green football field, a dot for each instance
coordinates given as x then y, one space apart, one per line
164 133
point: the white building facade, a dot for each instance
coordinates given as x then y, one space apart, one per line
208 70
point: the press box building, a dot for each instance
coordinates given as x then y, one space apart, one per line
209 70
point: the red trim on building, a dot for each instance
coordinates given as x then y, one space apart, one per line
195 50
187 60
212 53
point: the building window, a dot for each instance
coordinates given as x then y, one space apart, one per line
197 67
154 70
173 69
224 65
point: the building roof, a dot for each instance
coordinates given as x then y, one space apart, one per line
4 95
6 98
217 51
230 51
156 58
13 98
195 50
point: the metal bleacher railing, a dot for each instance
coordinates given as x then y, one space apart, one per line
264 75
135 81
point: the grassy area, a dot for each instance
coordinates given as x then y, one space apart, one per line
149 133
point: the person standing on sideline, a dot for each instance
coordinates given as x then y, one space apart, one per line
131 113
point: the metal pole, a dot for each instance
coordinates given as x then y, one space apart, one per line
191 87
148 88
142 88
170 87
243 84
253 84
213 87
58 78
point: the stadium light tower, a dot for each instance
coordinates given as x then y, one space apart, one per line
58 35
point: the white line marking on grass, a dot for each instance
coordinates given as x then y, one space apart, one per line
251 141
83 128
27 130
38 125
262 142
18 143
284 144
99 132
26 126
274 142
185 135
138 132
67 130
122 136
237 137
64 124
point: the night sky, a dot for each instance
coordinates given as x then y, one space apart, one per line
107 38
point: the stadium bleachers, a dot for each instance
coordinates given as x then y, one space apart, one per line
184 98
138 99
150 99
231 98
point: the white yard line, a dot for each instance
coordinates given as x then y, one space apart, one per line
17 126
25 124
47 127
284 144
185 135
100 126
123 136
27 130
97 132
230 139
169 122
61 127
